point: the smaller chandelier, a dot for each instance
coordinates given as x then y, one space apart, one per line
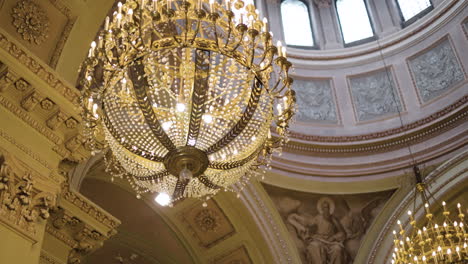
183 95
443 242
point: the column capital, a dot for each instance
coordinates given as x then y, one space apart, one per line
22 202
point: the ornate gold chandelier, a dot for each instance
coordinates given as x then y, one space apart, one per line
444 242
183 94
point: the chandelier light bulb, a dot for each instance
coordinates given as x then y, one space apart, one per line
180 107
163 199
207 118
185 174
167 125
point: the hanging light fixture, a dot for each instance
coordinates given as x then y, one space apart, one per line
428 242
183 94
432 242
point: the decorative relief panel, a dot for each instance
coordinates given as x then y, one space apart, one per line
209 225
374 95
315 101
43 26
237 256
327 228
435 71
30 21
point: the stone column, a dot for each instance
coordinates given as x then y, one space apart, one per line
24 209
385 15
330 29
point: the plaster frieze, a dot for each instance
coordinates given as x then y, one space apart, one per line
22 204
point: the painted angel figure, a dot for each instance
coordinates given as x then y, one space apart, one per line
326 244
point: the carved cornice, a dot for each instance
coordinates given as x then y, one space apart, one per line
422 130
80 225
60 128
22 204
41 70
89 208
75 233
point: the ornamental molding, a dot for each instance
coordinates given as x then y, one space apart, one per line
22 204
267 224
24 115
40 69
30 21
385 144
443 113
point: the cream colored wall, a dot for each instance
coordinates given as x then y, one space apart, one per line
17 249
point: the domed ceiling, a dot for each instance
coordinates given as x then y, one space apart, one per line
365 113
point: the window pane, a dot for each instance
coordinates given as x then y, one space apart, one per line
411 8
296 23
354 20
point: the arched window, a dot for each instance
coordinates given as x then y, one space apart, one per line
297 26
354 20
412 10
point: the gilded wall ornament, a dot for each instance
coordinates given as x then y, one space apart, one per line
30 21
